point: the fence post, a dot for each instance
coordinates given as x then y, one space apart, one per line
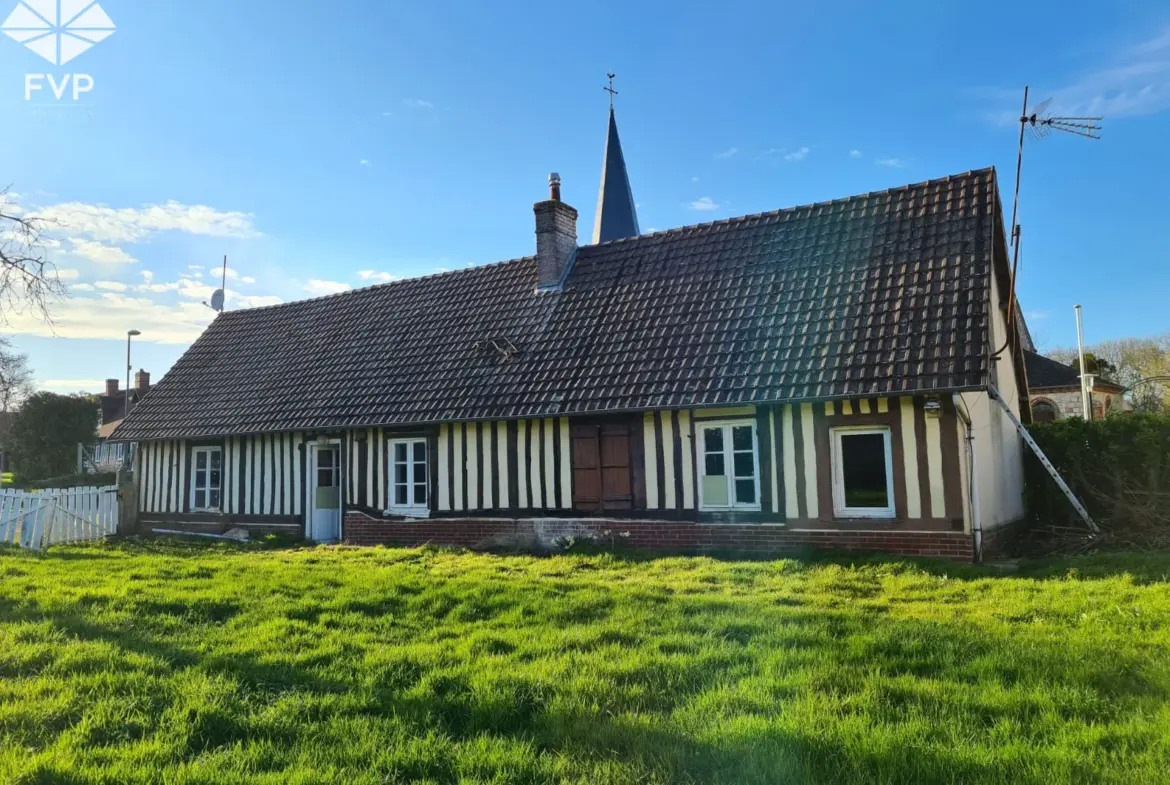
127 505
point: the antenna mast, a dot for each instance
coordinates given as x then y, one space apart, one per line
217 297
1038 124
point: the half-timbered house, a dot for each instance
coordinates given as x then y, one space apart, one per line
817 375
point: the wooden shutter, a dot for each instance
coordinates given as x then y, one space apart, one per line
616 485
586 459
601 467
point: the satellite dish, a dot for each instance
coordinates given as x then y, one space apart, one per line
217 300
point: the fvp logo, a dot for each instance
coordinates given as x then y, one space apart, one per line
58 30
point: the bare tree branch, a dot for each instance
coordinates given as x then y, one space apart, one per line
28 279
16 378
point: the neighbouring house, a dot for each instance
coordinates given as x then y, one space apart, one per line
812 376
105 455
1054 391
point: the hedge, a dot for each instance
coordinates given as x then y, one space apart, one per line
70 481
1119 467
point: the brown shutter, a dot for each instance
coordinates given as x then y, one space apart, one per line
601 467
586 455
616 486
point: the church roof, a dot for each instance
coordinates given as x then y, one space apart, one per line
877 294
617 216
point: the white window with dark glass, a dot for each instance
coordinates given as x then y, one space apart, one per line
863 477
408 476
206 479
729 466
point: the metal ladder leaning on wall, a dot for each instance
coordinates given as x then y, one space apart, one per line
1072 497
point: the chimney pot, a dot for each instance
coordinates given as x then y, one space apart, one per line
556 236
111 388
142 380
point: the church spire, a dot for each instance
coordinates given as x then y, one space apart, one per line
616 217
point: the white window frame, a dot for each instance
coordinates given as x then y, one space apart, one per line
728 464
411 509
839 508
208 451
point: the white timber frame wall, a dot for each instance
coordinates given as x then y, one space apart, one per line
526 465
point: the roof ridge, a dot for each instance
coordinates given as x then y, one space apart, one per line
771 213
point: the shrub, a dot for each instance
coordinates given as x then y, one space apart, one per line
1119 467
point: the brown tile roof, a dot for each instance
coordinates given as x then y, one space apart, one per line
881 293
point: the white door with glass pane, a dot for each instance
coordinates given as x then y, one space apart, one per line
729 467
408 477
206 479
325 492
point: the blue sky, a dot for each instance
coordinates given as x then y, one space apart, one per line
322 146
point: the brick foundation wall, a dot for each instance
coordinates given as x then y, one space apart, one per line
535 534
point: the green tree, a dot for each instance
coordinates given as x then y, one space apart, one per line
1099 366
45 433
1132 360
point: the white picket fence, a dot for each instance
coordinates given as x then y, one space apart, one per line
38 519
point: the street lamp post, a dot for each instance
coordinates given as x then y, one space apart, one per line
129 334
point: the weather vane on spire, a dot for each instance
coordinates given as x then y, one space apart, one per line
610 90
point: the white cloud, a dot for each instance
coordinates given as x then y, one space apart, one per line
82 287
173 286
10 207
111 286
798 154
68 275
417 103
704 203
318 288
195 267
97 252
72 385
364 162
896 163
854 153
730 152
135 224
261 301
110 314
371 275
1133 81
247 279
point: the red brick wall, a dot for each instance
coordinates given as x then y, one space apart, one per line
361 529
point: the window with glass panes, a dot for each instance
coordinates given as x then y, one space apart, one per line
863 477
728 466
408 474
206 479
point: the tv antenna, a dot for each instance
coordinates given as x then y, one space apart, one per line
217 296
1038 123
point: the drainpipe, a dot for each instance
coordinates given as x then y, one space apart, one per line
972 476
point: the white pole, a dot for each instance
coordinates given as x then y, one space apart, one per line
1085 410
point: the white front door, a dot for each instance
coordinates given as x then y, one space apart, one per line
325 492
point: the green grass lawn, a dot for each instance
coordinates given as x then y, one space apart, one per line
186 663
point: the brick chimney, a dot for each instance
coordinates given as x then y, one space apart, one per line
111 388
142 381
556 236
